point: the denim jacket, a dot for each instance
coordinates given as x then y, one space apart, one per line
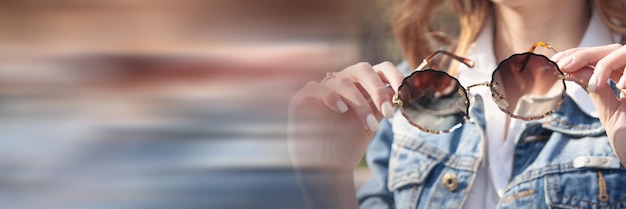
562 161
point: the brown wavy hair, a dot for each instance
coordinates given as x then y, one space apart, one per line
413 29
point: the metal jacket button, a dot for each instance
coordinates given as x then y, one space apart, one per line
450 182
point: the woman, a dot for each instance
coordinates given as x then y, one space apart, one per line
493 160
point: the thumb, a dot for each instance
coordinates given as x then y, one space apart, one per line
606 102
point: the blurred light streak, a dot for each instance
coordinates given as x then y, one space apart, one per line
158 104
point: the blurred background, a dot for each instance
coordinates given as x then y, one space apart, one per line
166 103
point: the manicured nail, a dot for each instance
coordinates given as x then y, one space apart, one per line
564 62
342 106
593 83
387 110
372 124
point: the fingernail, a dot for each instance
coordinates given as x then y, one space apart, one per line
387 110
372 123
342 106
564 62
593 83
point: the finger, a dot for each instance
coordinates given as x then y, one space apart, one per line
606 102
556 57
560 55
611 64
390 74
574 59
579 58
355 100
316 91
621 84
378 115
365 76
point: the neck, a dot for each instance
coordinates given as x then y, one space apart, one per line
561 23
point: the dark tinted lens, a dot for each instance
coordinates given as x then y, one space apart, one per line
433 100
528 86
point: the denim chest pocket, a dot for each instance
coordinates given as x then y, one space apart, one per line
408 171
588 188
408 167
421 180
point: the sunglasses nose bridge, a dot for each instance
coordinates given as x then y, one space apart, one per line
487 84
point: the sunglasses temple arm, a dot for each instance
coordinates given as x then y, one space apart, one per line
465 61
548 46
422 65
541 44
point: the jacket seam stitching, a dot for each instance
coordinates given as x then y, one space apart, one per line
439 155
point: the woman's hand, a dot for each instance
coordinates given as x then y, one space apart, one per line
592 68
331 122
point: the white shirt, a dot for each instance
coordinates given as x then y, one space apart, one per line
493 178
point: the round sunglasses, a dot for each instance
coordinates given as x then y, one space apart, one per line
436 102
